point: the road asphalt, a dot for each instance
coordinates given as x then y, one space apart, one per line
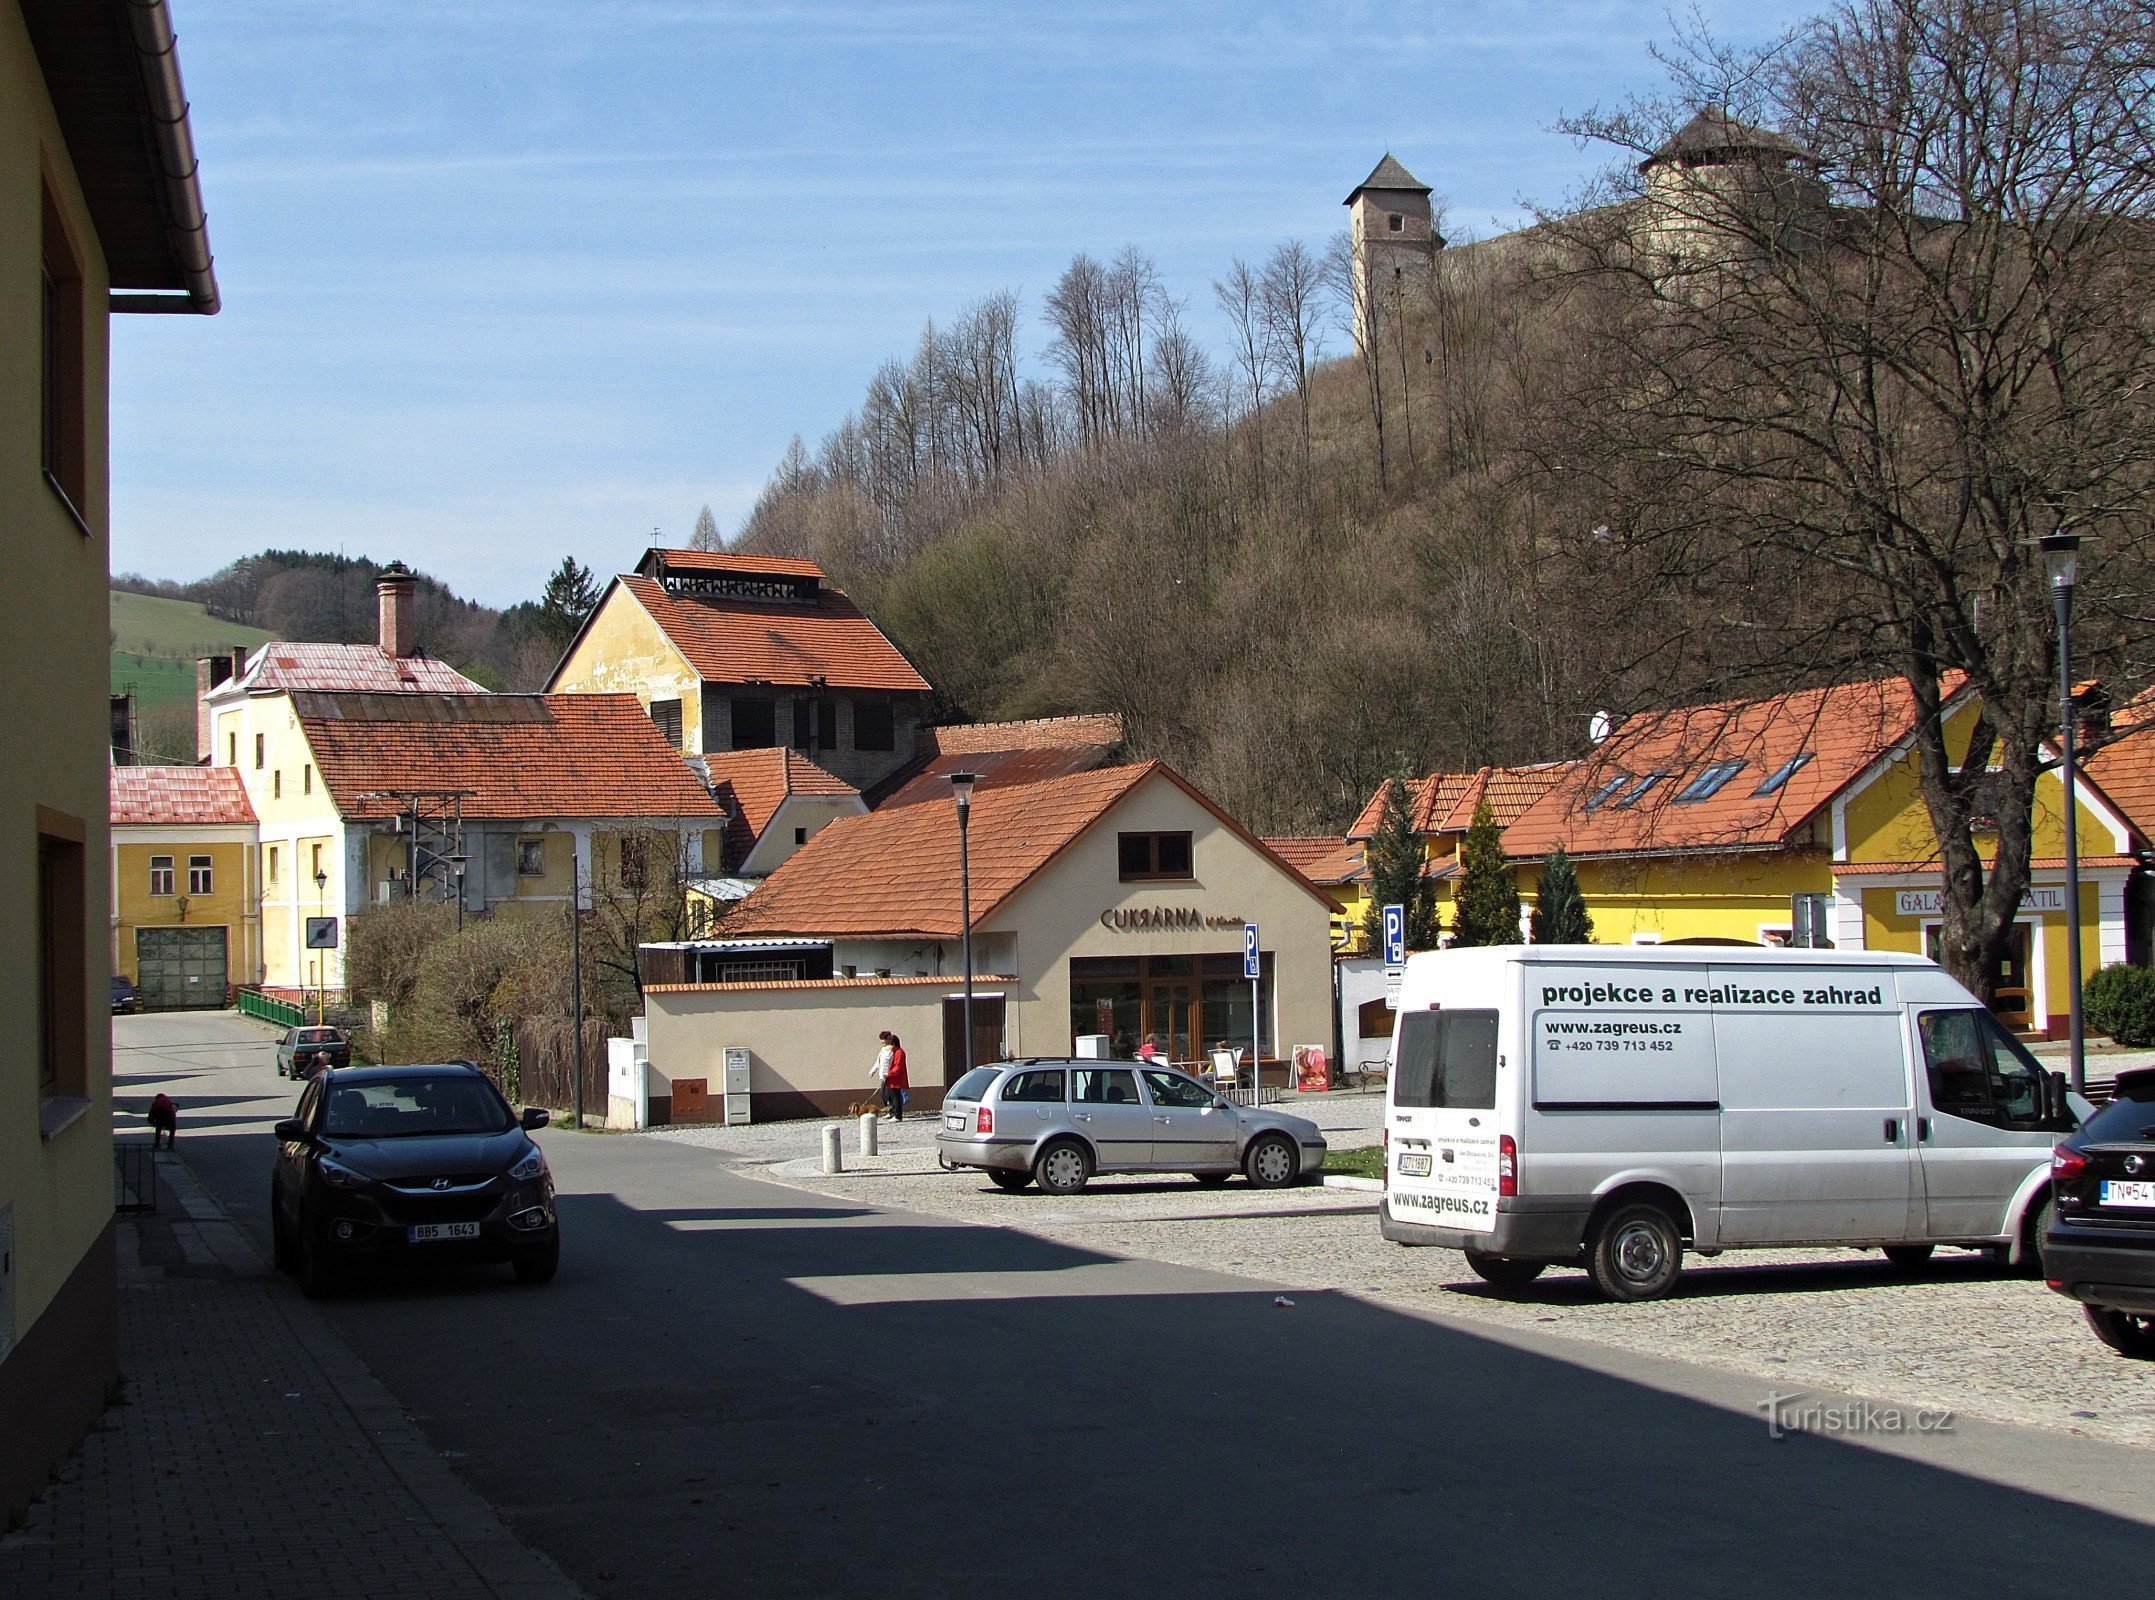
740 1388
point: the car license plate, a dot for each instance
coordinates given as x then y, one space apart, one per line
2118 1193
1414 1165
955 1121
428 1232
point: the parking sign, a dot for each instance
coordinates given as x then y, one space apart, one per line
1249 951
1395 936
321 933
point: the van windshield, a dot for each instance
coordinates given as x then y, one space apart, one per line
1448 1059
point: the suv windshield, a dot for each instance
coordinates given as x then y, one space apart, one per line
397 1108
975 1084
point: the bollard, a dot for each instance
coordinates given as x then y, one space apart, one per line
867 1136
834 1159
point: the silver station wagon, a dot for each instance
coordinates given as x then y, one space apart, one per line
1056 1123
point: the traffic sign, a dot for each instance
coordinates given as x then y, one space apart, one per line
1395 936
1249 951
321 933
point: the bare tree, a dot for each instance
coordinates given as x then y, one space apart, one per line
1291 296
1350 284
1838 379
1241 295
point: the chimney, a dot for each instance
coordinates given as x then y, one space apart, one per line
210 672
400 623
123 730
1600 726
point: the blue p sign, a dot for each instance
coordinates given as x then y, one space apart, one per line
1249 951
1395 936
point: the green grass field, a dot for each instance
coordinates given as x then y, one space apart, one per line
155 643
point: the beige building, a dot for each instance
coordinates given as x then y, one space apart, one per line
1105 903
99 213
1392 229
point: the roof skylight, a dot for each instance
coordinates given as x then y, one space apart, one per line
1601 796
1709 782
1781 774
1640 790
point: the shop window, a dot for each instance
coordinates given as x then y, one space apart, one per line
201 875
161 875
63 969
64 433
667 714
875 725
1147 857
755 723
531 858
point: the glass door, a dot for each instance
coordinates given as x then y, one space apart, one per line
1171 1016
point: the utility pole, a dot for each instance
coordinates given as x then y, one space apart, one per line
576 981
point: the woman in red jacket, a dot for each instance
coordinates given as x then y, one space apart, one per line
895 1083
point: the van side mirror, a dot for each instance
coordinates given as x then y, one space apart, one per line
2060 1110
290 1131
535 1117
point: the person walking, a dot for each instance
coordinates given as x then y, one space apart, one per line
164 1118
895 1082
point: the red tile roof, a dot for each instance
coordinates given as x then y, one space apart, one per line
1444 802
756 782
996 769
520 756
1322 858
1036 733
361 668
1840 730
788 643
178 796
895 871
2125 770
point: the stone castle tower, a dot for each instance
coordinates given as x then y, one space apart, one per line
1721 190
1395 244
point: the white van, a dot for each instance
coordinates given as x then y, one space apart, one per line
1610 1105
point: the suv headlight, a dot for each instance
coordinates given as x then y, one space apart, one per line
532 1166
339 1176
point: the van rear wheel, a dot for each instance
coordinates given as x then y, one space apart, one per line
1636 1252
1503 1272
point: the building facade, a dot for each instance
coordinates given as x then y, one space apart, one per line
1107 905
186 898
100 213
1391 229
740 652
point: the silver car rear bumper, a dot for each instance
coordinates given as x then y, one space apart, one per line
967 1150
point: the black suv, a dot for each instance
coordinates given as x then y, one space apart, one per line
382 1164
2101 1245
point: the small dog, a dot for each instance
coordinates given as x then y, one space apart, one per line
164 1118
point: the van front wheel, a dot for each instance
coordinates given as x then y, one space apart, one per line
1636 1254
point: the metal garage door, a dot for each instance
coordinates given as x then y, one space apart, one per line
180 969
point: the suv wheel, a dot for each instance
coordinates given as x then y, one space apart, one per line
1503 1272
317 1278
1273 1162
1635 1253
1063 1167
2126 1332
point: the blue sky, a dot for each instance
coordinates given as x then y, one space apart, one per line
506 282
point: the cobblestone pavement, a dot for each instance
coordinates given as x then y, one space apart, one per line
253 1454
1957 1334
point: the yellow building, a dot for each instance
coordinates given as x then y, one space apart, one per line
99 213
1797 820
743 652
186 901
499 802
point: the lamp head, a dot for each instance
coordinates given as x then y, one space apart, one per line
961 785
2061 558
321 880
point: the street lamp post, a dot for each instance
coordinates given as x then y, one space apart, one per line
961 785
321 894
2061 560
457 864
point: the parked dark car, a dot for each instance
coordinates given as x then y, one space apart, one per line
388 1164
2100 1247
299 1046
126 998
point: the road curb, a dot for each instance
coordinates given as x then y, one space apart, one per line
509 1568
1341 1180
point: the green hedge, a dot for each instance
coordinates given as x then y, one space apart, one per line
2120 1001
